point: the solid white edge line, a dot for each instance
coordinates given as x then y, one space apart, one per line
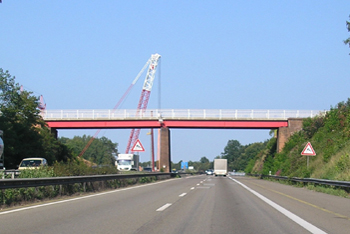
164 207
79 198
308 226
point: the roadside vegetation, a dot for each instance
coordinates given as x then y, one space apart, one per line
329 136
25 132
27 135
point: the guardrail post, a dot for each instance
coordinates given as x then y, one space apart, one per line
3 196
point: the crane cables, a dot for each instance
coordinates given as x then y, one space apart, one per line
116 106
144 98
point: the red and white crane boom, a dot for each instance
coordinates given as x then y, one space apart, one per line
145 94
149 84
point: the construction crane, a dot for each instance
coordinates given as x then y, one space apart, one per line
42 105
144 98
151 63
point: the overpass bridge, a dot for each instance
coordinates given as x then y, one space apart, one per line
286 121
173 118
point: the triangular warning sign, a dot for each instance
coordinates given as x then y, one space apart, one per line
308 150
138 147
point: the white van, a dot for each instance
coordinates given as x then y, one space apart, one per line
32 163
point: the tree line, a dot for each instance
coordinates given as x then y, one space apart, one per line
27 135
25 132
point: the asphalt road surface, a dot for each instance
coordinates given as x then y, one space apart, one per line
195 204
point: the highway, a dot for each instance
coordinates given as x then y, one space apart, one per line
194 204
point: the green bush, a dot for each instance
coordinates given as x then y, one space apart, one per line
41 172
79 168
343 163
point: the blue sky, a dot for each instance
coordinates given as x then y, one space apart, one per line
215 55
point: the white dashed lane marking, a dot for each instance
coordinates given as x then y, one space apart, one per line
164 207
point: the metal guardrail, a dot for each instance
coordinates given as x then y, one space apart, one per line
156 114
336 183
13 173
36 182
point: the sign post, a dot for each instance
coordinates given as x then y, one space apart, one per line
308 151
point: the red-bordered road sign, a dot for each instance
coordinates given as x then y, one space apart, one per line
138 147
308 150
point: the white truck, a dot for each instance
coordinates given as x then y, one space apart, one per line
220 167
127 162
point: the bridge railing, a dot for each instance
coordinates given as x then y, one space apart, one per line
205 114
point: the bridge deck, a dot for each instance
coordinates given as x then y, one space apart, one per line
189 118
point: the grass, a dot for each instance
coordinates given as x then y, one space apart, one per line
329 190
332 190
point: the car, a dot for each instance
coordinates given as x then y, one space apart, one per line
209 172
32 163
147 169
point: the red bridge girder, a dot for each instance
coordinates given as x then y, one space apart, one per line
111 124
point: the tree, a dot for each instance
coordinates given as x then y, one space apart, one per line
101 151
25 132
347 41
249 153
232 152
176 166
204 160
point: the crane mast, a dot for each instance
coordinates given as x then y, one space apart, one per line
144 98
152 64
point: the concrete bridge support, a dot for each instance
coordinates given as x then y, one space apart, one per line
294 125
165 161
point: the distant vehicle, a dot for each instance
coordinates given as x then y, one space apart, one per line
147 169
32 163
127 162
220 167
209 172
